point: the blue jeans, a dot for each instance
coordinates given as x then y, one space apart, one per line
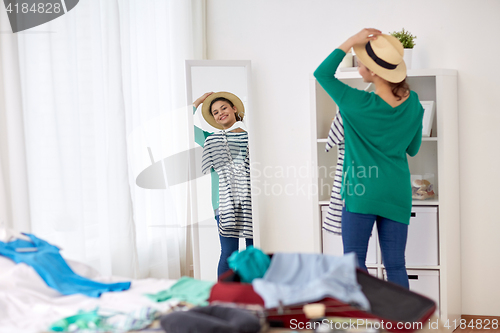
356 232
227 246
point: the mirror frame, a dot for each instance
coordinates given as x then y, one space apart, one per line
192 213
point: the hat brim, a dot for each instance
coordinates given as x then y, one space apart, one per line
205 109
392 75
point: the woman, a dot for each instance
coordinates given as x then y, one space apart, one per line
225 155
380 129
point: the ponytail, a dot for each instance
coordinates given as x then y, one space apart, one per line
400 90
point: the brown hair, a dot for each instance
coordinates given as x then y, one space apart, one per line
217 100
400 89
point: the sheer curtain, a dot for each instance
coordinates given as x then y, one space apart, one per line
14 204
98 86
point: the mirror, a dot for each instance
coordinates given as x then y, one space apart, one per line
225 191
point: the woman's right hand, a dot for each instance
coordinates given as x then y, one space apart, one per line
202 98
362 37
365 35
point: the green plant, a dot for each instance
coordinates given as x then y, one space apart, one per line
405 37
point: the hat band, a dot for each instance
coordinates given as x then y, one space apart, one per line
377 60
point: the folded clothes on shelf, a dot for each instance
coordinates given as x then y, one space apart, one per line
422 189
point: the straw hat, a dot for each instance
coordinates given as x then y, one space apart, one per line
384 57
232 97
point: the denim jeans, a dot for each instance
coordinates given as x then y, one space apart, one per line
356 232
227 246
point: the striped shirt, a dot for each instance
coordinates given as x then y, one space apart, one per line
227 154
332 221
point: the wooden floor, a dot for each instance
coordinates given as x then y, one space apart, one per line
470 330
473 322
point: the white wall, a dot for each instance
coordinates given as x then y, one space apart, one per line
287 39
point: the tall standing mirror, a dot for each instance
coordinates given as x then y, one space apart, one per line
204 76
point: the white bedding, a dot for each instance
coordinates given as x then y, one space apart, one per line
28 305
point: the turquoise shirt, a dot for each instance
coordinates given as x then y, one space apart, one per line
46 260
200 137
378 137
186 289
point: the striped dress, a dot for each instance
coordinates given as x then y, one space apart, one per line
332 222
227 154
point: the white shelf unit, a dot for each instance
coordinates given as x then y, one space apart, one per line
438 155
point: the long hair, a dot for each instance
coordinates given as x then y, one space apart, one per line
400 89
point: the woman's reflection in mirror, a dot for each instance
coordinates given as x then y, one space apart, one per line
226 157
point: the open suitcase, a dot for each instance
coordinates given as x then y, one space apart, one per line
397 309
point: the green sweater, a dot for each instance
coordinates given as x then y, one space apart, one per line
200 137
376 176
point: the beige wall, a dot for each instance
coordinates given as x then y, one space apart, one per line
287 39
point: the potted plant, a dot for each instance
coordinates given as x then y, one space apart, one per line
408 41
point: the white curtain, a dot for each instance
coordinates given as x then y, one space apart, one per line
98 86
14 204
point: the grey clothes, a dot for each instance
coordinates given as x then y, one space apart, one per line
211 319
298 278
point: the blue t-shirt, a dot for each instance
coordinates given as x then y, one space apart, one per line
53 269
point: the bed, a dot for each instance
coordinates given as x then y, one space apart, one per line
28 305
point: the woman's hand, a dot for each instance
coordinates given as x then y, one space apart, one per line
362 37
202 99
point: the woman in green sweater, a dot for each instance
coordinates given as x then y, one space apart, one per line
380 128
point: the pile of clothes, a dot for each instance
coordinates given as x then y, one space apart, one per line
264 282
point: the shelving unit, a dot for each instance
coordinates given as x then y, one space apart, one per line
433 249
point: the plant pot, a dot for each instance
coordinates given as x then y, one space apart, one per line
407 57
